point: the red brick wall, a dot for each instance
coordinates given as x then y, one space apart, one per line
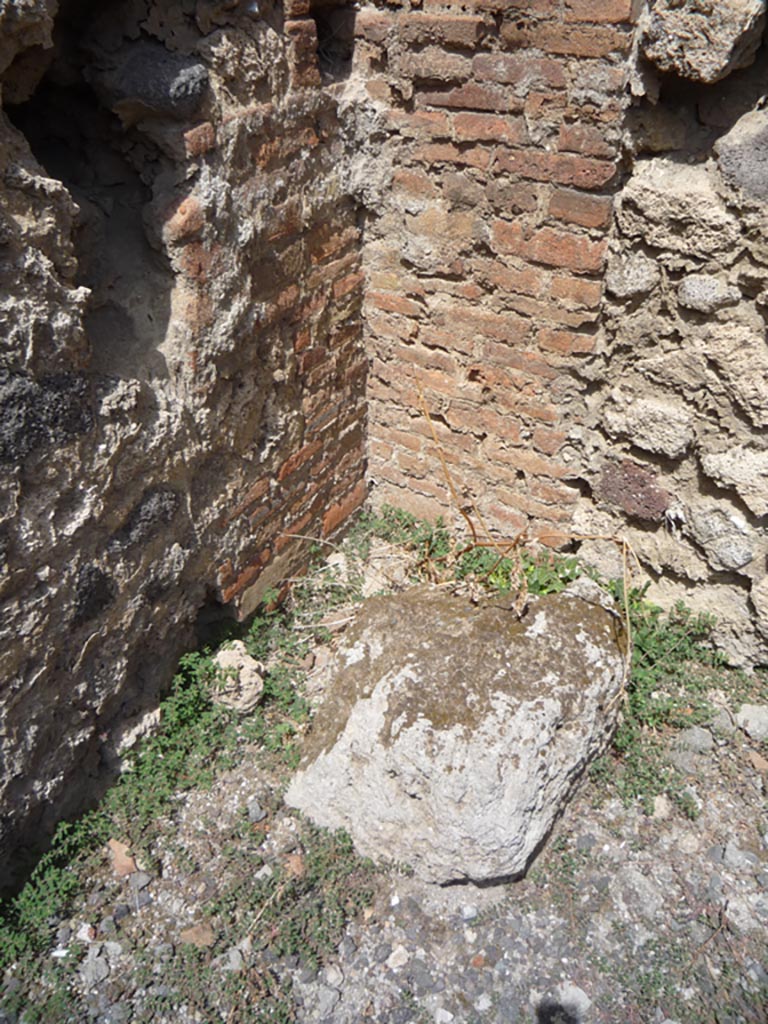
485 262
306 288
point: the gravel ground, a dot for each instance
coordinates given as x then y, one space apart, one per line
624 917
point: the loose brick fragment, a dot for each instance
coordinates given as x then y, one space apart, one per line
562 168
568 40
552 248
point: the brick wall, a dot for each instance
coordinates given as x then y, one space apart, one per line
485 261
307 289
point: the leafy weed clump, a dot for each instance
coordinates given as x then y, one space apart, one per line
666 691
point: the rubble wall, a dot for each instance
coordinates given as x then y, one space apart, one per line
674 448
182 376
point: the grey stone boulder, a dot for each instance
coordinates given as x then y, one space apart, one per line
753 719
723 533
453 735
703 40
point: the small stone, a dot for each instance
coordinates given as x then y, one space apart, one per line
573 998
264 873
715 854
334 976
586 842
723 723
382 952
739 860
696 739
483 1003
86 933
200 935
753 719
122 862
469 912
94 971
143 899
139 880
399 957
662 807
443 1016
241 681
118 1014
121 911
706 293
256 812
327 998
107 926
715 887
231 962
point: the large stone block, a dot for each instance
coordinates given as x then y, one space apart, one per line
452 735
675 207
702 40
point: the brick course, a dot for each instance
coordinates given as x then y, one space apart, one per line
498 271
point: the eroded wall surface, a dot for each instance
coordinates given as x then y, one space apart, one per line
181 386
675 449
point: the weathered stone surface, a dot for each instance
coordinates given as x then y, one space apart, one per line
675 207
453 735
759 597
746 470
741 355
753 719
742 155
634 489
242 682
166 312
147 80
629 278
657 425
701 39
706 293
24 24
724 535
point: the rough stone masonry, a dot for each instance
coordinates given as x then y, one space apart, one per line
239 241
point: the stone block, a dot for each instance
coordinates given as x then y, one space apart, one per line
453 736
